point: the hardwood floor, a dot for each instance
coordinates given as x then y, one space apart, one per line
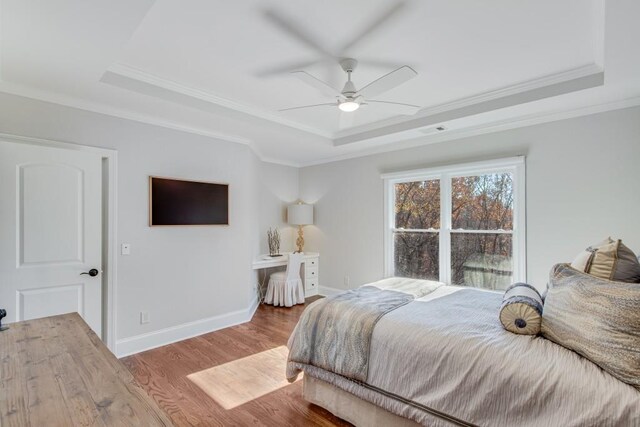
162 372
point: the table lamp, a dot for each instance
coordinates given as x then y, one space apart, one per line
300 214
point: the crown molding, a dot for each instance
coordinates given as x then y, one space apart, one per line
540 83
130 72
67 101
588 70
279 162
521 121
135 74
496 126
71 102
526 86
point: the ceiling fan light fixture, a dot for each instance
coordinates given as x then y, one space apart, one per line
348 106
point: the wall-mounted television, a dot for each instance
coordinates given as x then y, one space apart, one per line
181 202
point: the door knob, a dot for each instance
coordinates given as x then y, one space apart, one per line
93 272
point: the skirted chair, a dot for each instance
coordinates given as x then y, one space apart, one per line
285 287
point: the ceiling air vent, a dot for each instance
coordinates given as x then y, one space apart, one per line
433 129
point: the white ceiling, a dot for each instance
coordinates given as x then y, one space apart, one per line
219 68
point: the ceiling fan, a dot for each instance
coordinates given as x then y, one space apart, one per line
349 99
298 32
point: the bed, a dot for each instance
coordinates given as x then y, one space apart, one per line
440 357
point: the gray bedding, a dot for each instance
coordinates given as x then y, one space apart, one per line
334 333
448 353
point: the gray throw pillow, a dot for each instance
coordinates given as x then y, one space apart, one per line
597 318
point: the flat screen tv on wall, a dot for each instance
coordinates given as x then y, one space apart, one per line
180 202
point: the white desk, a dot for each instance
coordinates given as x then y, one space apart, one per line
309 274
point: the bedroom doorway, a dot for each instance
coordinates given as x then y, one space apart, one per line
55 216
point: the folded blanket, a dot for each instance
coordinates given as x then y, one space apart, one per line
334 333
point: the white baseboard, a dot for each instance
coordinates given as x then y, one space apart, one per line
253 307
326 291
143 342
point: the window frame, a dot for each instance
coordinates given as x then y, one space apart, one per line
513 165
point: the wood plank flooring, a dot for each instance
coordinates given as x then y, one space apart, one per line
163 372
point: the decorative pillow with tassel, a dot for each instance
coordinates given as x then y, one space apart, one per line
521 311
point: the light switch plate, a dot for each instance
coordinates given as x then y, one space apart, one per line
126 249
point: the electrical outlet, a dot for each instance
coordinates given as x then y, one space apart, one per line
126 249
346 281
144 317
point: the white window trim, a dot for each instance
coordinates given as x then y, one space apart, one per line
513 165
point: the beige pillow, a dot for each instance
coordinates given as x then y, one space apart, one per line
611 260
597 318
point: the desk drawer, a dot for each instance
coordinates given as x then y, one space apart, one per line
311 284
312 262
310 272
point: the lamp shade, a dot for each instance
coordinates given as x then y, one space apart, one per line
300 214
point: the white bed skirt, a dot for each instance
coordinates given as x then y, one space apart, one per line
345 405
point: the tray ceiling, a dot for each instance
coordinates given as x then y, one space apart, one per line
221 68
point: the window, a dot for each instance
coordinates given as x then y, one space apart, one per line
462 225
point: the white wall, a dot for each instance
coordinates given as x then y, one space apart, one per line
582 185
189 279
277 188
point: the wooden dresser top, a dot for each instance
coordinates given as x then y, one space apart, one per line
56 372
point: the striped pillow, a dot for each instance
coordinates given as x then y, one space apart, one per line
609 259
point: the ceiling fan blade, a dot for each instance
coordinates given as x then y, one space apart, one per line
282 69
323 87
399 107
388 81
375 24
296 32
377 63
346 120
333 104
